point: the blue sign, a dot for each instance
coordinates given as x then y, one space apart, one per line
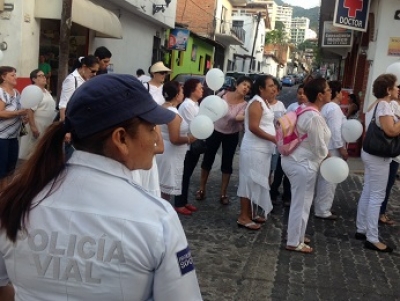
178 39
352 14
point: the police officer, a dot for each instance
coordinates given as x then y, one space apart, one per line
82 229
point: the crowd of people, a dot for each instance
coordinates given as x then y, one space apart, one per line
125 141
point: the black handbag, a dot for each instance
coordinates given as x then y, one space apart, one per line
198 147
377 143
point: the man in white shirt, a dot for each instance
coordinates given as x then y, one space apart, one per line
142 76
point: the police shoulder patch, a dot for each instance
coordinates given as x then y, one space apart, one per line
185 261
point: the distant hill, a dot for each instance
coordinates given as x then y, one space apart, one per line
312 14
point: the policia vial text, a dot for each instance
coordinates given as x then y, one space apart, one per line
76 260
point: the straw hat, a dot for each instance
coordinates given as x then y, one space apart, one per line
159 67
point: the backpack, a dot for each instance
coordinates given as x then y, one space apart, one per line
287 139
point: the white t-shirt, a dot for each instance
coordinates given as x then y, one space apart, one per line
144 78
100 237
73 81
334 118
155 92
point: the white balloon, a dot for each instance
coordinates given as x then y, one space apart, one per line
201 127
215 79
352 129
394 69
31 96
214 107
334 170
1 55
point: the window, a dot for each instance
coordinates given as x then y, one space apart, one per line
201 62
237 24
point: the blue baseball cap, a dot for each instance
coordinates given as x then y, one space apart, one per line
107 100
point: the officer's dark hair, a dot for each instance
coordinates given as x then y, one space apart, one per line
102 53
47 166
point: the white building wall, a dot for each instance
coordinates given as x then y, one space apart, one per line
20 30
135 49
249 25
378 49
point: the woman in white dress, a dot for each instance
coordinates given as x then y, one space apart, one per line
255 155
302 165
39 117
176 137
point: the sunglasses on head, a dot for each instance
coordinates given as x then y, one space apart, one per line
162 72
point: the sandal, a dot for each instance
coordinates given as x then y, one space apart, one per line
259 220
302 248
200 195
249 226
386 220
224 200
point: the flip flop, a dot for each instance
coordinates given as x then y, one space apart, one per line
249 226
259 220
302 248
200 195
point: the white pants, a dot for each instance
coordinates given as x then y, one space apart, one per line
375 181
302 181
325 193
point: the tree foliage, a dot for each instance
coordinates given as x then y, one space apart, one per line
276 36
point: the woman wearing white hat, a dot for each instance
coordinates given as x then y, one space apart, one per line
157 71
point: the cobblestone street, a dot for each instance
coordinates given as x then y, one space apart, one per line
236 264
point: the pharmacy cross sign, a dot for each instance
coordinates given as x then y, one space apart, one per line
351 14
353 6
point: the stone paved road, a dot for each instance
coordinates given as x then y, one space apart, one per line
236 264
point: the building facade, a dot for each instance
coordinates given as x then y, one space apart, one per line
32 27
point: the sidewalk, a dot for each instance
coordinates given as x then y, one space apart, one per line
236 264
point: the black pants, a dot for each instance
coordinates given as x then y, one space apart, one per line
394 167
188 167
278 176
229 144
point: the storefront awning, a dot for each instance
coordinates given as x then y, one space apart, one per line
84 13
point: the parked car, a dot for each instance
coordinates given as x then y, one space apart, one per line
183 77
288 81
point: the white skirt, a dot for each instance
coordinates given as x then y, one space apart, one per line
254 167
170 167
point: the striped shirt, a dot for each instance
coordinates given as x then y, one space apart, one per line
10 127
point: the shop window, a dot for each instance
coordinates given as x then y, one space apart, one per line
201 62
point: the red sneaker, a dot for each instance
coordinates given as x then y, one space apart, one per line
191 208
183 210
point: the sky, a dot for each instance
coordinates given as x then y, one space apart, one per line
305 4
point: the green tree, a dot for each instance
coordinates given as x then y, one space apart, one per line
276 36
